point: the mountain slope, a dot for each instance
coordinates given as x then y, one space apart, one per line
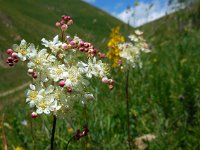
34 19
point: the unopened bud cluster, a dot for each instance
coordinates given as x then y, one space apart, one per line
12 58
61 71
77 43
65 22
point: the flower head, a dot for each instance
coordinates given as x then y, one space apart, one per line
130 52
53 45
61 73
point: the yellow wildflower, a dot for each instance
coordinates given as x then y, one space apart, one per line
19 148
115 39
70 130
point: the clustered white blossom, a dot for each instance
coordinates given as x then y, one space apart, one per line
131 51
60 73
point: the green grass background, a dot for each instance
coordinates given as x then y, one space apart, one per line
164 94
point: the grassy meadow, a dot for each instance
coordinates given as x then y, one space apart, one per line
164 94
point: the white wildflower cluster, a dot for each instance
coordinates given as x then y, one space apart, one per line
61 72
131 51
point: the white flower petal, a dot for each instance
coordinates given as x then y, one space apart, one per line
46 111
39 111
55 39
32 87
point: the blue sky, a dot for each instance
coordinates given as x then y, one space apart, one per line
114 5
142 15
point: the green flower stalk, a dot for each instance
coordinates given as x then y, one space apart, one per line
130 55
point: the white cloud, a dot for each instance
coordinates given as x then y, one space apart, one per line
118 5
89 1
142 13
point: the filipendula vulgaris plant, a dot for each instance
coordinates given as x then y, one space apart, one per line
61 73
127 55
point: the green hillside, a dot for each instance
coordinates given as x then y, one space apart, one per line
33 20
173 78
164 94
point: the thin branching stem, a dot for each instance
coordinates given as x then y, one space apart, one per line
127 110
62 35
86 124
53 132
32 133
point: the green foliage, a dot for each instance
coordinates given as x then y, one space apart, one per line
164 94
174 77
170 2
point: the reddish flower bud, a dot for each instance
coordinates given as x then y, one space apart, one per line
9 51
86 50
16 60
81 49
92 50
34 75
34 114
62 22
64 27
58 24
10 59
86 45
70 22
63 16
105 80
67 18
90 45
64 46
10 64
72 43
81 43
69 89
62 83
14 55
